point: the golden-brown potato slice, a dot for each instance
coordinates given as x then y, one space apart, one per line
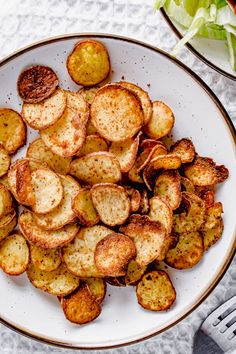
90 128
88 93
4 181
168 187
79 254
161 211
6 202
116 281
157 150
148 236
116 113
133 173
98 167
63 214
188 251
134 273
144 203
161 122
155 291
5 160
45 238
212 235
89 63
113 254
204 172
111 202
59 282
135 199
187 185
213 215
46 260
7 224
148 143
12 130
92 143
185 149
44 114
208 196
143 96
81 306
98 288
83 207
14 254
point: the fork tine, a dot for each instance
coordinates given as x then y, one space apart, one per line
219 311
231 329
226 320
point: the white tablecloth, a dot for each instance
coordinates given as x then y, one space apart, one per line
25 21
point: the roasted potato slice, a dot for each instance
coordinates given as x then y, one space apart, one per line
187 185
144 203
90 128
116 281
116 113
12 130
160 211
5 160
188 251
212 235
7 224
111 202
83 207
204 172
208 196
46 260
59 282
14 254
97 167
213 215
185 149
88 93
113 254
133 173
36 83
148 236
157 150
134 273
45 238
46 113
92 143
81 306
155 291
135 199
168 187
161 121
89 63
148 143
6 202
4 181
98 288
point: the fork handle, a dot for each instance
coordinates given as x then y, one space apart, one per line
231 351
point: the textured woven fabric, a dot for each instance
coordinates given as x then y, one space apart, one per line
25 21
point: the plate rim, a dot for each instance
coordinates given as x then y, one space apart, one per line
195 51
226 119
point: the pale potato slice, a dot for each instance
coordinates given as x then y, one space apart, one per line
92 143
7 224
168 187
45 238
14 254
134 273
83 207
187 185
79 255
188 251
88 93
135 199
157 150
161 122
98 288
144 203
185 149
155 291
204 172
148 236
45 113
38 150
111 202
116 113
46 260
63 213
47 190
113 254
212 235
81 306
160 211
5 160
59 282
97 167
12 130
89 63
126 152
6 202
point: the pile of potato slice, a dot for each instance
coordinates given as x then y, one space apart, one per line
106 196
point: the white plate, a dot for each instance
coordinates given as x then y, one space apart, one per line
212 52
200 116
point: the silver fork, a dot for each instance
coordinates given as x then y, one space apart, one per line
217 333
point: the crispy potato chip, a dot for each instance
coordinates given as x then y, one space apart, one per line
59 282
79 255
98 167
134 273
81 306
83 207
5 160
92 143
90 128
116 281
116 113
135 198
89 63
37 83
113 254
204 172
155 291
88 93
151 153
98 288
6 202
185 149
14 254
187 185
212 235
148 236
4 181
46 260
45 238
133 173
12 130
111 202
168 187
7 224
188 251
161 121
208 196
46 113
148 143
144 203
213 215
161 211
